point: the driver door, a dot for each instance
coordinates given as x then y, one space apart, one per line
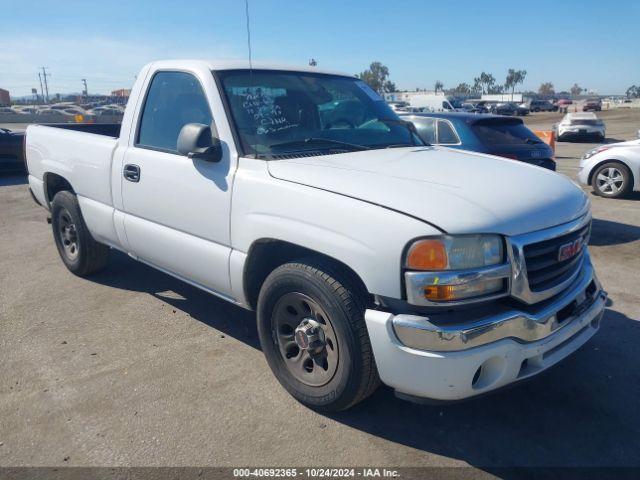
176 208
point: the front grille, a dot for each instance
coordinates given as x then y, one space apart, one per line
544 270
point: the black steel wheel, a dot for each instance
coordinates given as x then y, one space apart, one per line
80 253
306 339
313 334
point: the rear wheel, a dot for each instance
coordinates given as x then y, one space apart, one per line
611 180
80 253
313 334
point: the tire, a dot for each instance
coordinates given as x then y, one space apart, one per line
342 371
80 253
604 181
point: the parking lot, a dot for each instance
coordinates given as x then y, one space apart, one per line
135 368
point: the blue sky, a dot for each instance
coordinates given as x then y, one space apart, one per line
591 42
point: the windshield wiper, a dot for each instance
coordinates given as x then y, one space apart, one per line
316 140
413 133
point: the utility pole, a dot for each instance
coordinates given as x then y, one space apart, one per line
46 85
41 89
86 90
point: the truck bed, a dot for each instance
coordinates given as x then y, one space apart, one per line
82 154
107 129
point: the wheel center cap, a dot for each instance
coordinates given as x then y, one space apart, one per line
310 336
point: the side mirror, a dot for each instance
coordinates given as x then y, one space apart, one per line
196 141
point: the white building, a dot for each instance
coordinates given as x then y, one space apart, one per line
502 97
407 95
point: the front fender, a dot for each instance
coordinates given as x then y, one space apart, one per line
370 239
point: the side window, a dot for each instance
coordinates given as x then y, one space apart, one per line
173 100
446 133
426 128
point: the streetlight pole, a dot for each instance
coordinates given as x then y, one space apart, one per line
41 89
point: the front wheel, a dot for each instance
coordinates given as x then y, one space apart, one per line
313 334
611 180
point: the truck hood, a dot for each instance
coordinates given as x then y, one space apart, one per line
458 192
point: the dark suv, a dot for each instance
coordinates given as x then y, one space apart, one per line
592 105
493 134
542 106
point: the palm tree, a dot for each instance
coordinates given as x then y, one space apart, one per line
514 77
438 86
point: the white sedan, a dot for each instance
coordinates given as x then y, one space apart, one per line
576 126
612 170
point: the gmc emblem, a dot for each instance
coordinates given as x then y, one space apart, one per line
570 250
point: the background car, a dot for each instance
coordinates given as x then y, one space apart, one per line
54 114
580 126
524 106
521 109
397 106
480 107
612 170
466 107
592 105
11 151
493 134
542 106
505 108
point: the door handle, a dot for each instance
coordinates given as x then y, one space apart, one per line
131 172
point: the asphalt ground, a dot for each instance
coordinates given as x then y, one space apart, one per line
135 368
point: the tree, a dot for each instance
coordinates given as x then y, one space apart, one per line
484 83
514 78
376 76
463 89
438 86
546 89
477 86
633 92
576 90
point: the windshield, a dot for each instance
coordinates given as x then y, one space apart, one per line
283 113
504 133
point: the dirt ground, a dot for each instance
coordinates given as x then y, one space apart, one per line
135 368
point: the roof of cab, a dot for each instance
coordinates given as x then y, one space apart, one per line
218 65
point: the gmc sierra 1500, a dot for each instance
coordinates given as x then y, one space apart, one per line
368 255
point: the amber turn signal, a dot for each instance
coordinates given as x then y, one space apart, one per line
440 293
427 255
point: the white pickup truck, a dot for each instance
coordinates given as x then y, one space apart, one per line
367 255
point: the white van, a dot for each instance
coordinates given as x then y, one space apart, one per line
431 103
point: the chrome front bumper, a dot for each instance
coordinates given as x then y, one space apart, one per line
420 333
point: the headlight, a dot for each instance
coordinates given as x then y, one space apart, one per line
455 253
593 151
455 269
